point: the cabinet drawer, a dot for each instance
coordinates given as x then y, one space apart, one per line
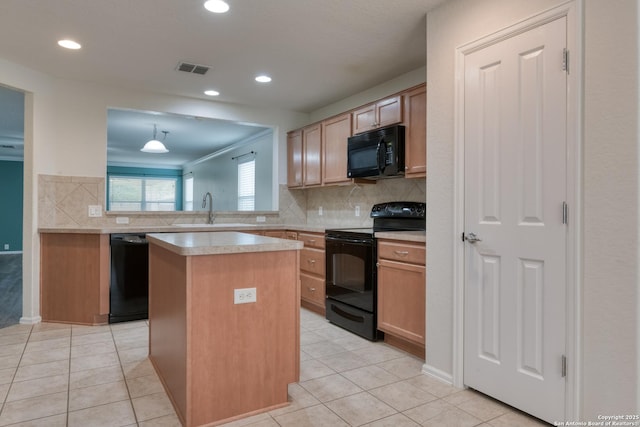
312 261
400 251
312 240
312 289
292 235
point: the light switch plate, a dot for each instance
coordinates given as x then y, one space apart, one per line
244 296
122 220
261 218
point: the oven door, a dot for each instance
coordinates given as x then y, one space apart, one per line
351 272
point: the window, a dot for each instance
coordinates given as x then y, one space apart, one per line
188 193
131 193
246 185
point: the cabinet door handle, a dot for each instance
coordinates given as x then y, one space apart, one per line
312 289
311 261
312 241
402 253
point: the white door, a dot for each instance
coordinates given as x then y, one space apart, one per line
515 188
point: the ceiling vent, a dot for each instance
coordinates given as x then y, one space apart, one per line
188 67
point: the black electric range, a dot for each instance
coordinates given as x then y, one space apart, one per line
351 272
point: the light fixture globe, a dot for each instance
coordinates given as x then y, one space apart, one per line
216 6
154 146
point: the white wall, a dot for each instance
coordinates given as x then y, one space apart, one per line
610 187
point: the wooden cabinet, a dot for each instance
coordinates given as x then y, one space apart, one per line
415 122
312 271
312 152
383 113
401 294
335 132
294 159
74 275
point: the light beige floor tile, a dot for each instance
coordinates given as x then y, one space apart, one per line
138 369
87 397
166 421
38 387
152 406
128 334
378 353
94 361
299 398
12 349
315 323
126 344
53 421
4 390
423 413
15 329
396 420
484 408
310 369
517 418
314 416
91 338
33 408
249 421
352 342
93 348
453 418
51 344
10 361
46 326
50 334
304 356
90 377
369 377
343 361
41 370
360 408
20 338
121 326
310 337
330 332
133 354
404 367
112 414
77 330
461 396
6 375
142 386
45 356
330 387
433 385
322 348
402 396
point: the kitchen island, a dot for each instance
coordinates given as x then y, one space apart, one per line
219 355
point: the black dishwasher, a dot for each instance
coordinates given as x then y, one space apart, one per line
129 287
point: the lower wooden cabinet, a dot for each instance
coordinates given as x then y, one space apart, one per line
312 272
401 294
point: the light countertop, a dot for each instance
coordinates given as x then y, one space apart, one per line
220 242
408 236
177 228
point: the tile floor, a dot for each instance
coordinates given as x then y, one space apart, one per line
60 375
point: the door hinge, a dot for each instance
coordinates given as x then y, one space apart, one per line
564 366
565 60
565 213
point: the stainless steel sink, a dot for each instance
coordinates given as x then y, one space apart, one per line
219 225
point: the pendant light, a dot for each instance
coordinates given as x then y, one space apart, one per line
155 146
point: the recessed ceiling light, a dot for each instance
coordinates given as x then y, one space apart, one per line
69 44
263 79
211 92
216 6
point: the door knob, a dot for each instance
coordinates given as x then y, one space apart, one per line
472 238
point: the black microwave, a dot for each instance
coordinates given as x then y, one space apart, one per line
376 154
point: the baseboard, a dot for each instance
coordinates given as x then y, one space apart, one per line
438 374
30 320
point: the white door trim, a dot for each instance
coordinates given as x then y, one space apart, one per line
573 11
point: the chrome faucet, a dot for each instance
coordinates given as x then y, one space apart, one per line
204 205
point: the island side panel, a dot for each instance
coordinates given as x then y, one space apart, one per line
74 278
242 355
168 277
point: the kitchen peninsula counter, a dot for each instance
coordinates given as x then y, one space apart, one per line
219 356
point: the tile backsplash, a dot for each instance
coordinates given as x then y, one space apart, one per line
64 201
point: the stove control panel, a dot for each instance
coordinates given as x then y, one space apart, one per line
399 210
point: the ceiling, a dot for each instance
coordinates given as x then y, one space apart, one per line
316 51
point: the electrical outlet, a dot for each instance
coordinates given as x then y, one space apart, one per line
95 211
261 218
6 246
357 210
245 295
320 211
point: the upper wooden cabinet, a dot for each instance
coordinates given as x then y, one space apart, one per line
294 159
383 113
335 132
415 122
312 151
